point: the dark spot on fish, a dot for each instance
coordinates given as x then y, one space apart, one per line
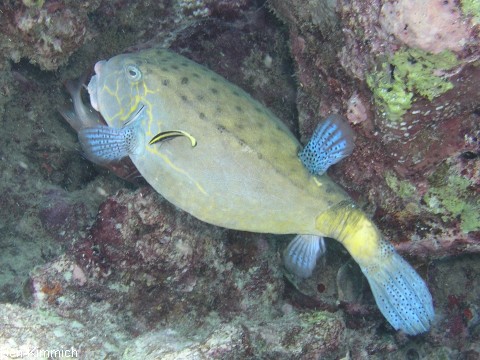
214 79
200 97
184 80
165 82
260 156
159 52
257 109
240 126
218 109
184 98
214 90
235 92
164 69
184 64
195 75
174 67
238 108
221 128
201 116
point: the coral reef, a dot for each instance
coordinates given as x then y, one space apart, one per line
414 71
45 32
414 109
433 26
173 262
84 250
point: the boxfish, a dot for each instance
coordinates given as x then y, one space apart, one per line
212 150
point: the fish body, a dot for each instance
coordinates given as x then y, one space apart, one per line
215 152
245 162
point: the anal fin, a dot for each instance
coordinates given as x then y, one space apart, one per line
301 255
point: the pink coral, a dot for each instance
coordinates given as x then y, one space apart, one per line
433 25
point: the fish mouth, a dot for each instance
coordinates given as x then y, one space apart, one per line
92 91
92 85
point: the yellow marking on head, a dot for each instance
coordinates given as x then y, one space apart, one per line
147 90
149 124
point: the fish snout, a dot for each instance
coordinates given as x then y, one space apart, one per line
92 91
92 85
98 66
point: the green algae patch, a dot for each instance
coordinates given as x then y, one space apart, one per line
409 72
33 3
402 188
316 317
391 95
472 8
453 199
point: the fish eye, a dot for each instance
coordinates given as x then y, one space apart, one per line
133 73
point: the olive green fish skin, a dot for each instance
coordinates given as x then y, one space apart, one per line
244 172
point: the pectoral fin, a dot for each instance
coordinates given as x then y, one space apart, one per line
103 144
331 142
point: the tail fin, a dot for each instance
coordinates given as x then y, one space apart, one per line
400 293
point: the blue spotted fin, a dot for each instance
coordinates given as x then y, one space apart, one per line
104 144
400 293
331 142
301 255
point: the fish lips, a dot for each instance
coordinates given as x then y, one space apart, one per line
92 85
92 92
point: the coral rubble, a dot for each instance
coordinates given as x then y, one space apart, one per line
45 32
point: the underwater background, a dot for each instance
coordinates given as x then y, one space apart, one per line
108 268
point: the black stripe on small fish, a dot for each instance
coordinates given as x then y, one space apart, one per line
172 134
